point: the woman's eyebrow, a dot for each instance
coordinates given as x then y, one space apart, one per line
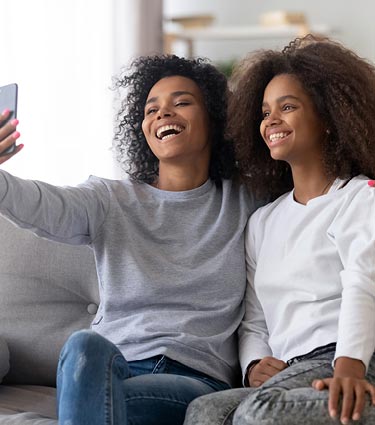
173 94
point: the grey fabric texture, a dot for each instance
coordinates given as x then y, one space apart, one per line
4 358
47 291
184 250
27 404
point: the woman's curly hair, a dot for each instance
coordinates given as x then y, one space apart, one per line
342 88
131 146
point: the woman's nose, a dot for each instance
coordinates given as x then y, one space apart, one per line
164 112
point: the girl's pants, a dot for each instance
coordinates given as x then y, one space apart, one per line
285 399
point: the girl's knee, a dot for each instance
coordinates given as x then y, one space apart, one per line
215 408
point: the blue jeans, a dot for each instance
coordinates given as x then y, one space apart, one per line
96 385
285 399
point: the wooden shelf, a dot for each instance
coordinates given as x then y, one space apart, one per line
217 33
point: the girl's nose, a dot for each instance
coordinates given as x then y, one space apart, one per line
273 119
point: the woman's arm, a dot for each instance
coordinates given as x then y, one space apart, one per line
65 214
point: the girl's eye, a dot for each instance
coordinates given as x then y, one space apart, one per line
288 107
265 114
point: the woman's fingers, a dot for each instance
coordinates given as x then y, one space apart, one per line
4 158
8 136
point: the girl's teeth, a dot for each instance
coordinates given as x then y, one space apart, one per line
277 136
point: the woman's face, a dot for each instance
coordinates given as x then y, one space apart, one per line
176 122
291 126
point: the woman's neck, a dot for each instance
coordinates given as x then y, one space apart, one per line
178 179
310 183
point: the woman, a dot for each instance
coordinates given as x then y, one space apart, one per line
169 249
304 130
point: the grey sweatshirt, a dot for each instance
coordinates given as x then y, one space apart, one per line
171 265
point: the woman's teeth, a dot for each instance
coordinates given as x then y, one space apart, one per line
168 130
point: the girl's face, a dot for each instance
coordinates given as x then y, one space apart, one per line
176 122
291 126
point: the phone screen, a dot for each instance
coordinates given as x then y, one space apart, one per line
8 100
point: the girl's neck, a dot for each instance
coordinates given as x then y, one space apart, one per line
309 184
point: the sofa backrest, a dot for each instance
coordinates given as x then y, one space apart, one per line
47 291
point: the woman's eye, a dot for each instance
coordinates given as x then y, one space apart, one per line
182 103
265 114
151 111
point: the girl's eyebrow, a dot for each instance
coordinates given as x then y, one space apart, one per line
282 98
173 94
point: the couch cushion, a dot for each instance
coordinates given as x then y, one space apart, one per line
47 291
27 404
4 358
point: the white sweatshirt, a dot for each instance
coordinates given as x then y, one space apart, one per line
311 276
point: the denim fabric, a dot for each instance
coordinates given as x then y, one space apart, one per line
285 399
96 385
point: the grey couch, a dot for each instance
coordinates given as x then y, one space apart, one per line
47 291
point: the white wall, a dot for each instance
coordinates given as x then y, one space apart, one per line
63 55
353 20
58 53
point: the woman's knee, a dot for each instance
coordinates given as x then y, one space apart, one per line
87 347
84 341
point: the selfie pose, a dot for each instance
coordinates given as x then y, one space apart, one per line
303 122
169 249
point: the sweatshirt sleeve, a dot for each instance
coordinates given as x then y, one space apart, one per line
353 232
70 215
253 333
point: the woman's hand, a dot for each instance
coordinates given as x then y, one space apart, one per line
348 383
265 369
8 136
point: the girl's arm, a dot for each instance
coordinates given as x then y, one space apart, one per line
253 332
353 232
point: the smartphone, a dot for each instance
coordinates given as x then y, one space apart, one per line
8 100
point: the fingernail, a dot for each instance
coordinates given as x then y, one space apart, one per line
356 416
332 413
14 122
344 421
5 112
16 135
371 183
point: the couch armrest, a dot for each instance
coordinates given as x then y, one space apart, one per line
4 358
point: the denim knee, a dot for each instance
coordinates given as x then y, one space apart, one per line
82 340
89 349
283 407
216 408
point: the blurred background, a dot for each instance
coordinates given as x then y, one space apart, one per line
64 53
